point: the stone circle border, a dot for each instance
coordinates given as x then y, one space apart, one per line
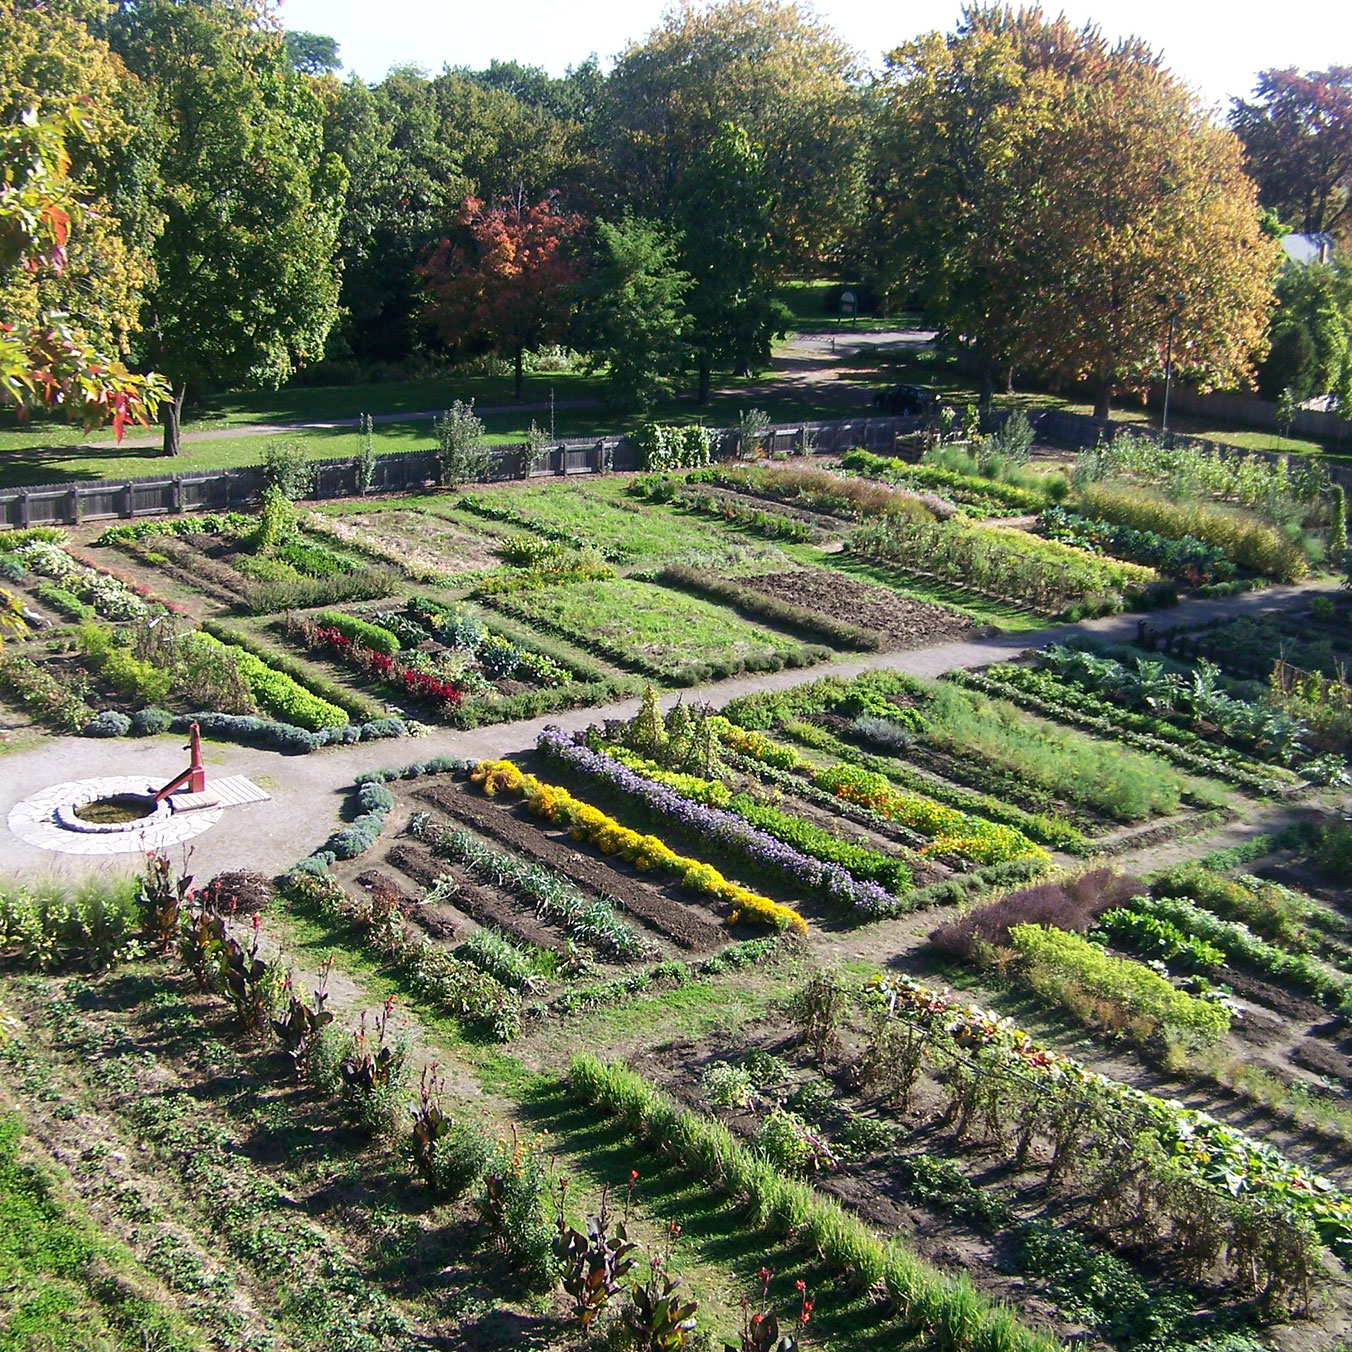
34 820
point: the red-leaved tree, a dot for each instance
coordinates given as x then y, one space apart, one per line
504 281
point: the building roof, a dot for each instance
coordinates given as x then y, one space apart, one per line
1305 249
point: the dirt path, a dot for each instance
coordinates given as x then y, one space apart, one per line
309 791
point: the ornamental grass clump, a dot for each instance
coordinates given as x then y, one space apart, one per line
1068 904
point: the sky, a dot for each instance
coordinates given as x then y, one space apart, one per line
1216 45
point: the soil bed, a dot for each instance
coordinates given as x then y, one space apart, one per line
903 622
612 882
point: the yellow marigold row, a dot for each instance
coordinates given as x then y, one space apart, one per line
591 825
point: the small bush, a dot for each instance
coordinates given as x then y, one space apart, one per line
360 631
151 721
109 723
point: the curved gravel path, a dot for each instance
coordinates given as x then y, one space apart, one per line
308 791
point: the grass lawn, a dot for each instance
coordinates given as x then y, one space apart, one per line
56 453
647 627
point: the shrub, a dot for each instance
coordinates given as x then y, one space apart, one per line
209 676
664 447
1071 904
109 723
460 450
151 721
59 704
288 469
360 631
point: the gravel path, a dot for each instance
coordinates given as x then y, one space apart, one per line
308 792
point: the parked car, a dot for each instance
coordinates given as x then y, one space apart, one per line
908 401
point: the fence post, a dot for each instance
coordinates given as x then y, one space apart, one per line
177 500
73 505
23 507
129 499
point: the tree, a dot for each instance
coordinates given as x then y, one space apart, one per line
311 53
505 281
1297 136
1145 212
725 209
53 64
951 184
246 287
1311 333
773 69
1290 366
41 360
633 318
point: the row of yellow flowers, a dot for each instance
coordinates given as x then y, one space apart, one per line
589 824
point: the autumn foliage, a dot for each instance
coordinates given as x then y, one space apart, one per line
503 280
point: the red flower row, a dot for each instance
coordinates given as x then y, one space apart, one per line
418 684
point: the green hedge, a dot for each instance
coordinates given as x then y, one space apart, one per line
281 696
360 631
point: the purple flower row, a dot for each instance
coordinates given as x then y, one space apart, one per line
723 828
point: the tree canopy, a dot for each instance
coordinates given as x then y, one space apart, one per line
246 285
1297 136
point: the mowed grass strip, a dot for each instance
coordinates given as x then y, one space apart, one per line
655 631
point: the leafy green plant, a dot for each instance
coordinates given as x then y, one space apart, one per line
452 1156
512 1208
461 452
299 1028
374 1073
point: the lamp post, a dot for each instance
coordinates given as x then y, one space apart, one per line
1175 304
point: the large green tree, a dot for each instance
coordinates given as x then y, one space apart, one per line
1313 320
1054 198
724 204
246 285
773 69
1145 212
633 318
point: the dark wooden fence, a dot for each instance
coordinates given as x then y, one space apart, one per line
229 489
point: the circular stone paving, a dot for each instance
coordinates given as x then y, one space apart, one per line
38 819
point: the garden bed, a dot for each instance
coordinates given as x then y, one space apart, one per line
653 904
902 622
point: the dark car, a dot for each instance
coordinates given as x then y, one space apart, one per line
908 401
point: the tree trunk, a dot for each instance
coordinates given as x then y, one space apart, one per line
704 377
172 411
520 374
1103 399
986 390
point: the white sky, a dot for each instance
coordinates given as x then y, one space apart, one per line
1217 45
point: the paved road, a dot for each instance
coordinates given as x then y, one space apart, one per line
309 791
